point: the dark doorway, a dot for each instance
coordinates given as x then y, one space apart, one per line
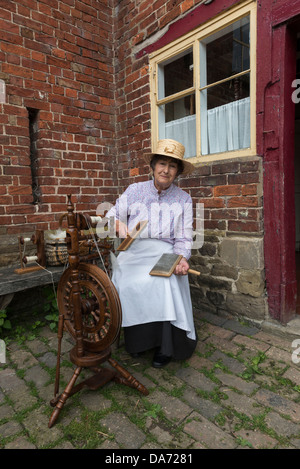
297 173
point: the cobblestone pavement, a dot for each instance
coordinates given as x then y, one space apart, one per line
240 389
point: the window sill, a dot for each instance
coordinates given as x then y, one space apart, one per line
244 155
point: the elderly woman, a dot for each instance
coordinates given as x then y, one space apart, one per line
156 311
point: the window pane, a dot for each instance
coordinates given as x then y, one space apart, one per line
225 116
180 108
228 91
175 75
177 120
226 52
225 107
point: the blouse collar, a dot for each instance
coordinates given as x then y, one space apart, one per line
164 192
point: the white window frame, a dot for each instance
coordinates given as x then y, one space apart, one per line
193 40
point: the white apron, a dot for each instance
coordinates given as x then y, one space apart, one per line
146 298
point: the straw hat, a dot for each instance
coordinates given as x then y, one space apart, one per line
172 149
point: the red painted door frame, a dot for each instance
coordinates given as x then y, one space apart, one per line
278 151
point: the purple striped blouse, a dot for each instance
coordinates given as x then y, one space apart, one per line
169 214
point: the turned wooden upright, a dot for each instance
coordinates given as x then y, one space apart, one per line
90 309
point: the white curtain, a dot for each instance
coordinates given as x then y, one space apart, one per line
223 128
228 127
184 131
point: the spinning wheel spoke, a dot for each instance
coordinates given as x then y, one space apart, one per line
100 306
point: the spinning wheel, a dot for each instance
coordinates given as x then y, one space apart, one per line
90 310
100 307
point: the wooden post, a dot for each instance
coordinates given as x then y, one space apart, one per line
73 250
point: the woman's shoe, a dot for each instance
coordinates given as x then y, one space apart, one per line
160 360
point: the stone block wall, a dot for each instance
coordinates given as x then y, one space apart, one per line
231 260
232 276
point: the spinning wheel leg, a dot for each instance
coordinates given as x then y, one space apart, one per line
127 378
100 378
60 336
63 397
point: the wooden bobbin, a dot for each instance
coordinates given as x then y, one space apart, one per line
30 259
39 258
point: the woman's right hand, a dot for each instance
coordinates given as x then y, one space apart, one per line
182 267
121 229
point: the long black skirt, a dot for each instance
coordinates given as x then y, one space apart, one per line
170 340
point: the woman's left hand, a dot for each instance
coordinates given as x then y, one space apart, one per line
182 268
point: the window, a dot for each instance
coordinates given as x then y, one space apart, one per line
203 88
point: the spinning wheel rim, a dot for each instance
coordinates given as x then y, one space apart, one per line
107 329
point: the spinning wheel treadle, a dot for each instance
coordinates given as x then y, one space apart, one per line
90 310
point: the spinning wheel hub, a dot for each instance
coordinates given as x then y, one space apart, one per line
88 306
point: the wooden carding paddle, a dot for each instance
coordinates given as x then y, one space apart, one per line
166 265
132 235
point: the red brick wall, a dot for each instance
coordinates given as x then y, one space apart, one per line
231 195
56 56
83 64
